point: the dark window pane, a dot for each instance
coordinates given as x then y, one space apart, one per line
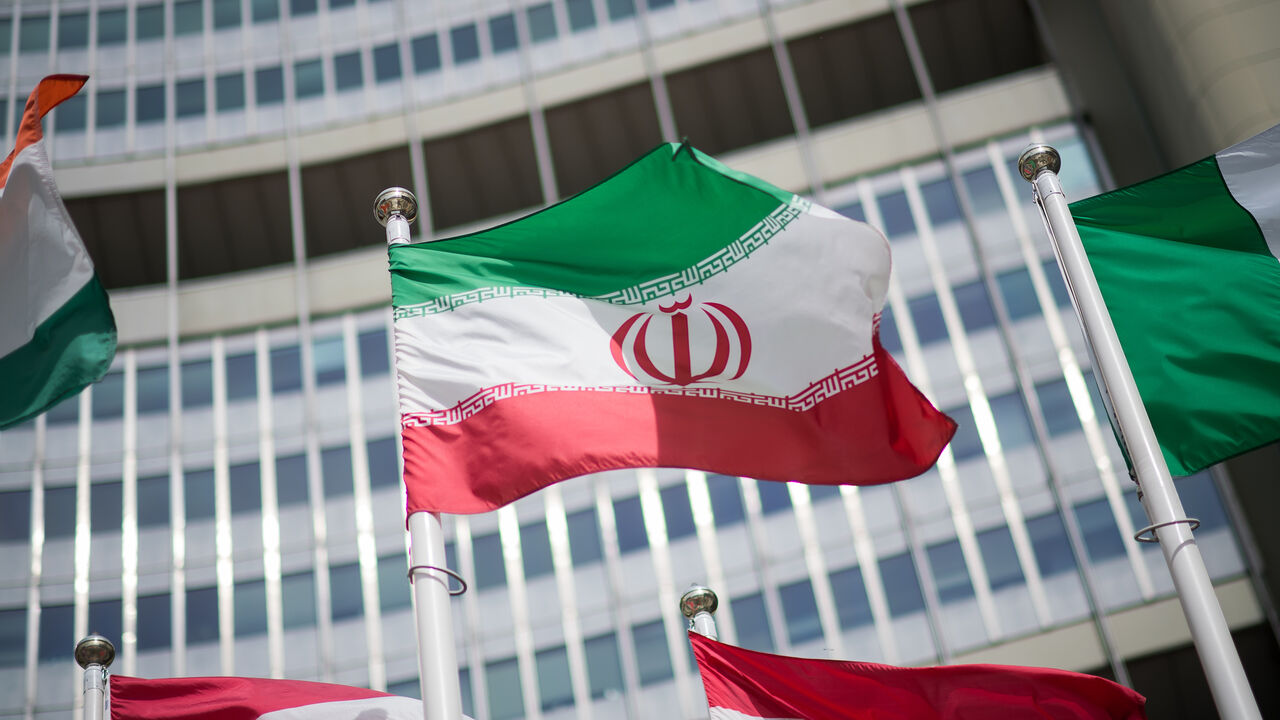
895 213
678 512
230 92
1012 422
265 10
298 599
106 507
464 683
202 615
302 7
584 537
149 22
33 33
821 493
327 356
975 306
197 383
604 669
374 357
1098 525
108 397
15 517
150 106
726 499
347 71
926 314
731 103
852 606
949 571
57 641
653 659
1053 274
426 53
384 470
250 601
853 211
502 33
386 63
1018 293
345 597
535 548
630 521
106 617
60 512
269 85
65 412
966 443
332 191
506 699
800 610
286 369
242 377
1200 497
154 622
393 583
940 202
308 78
198 494
188 17
246 488
984 191
226 14
110 112
774 497
621 9
73 30
113 27
594 137
483 172
889 338
1000 557
466 43
291 480
901 585
582 14
968 41
1050 543
554 685
751 618
335 466
153 390
1059 410
490 568
13 635
542 22
153 501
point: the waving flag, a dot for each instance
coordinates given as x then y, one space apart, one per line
679 314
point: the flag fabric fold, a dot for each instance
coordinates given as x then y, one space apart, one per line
679 314
57 333
744 684
239 698
1188 265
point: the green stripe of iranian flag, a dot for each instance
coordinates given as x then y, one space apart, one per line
56 332
1189 265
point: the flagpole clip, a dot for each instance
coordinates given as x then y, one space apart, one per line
446 571
1143 536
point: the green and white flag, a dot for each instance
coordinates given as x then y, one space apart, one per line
1189 266
57 333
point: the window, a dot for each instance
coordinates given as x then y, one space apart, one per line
33 33
73 30
895 213
426 53
1200 497
940 202
966 443
327 356
584 537
502 33
56 641
265 10
250 602
604 669
926 314
188 17
542 23
345 597
901 585
202 615
889 338
298 599
774 497
269 85
464 683
393 583
347 71
226 14
302 7
242 377
535 549
554 685
150 104
110 112
6 33
949 571
984 191
154 621
335 468
852 606
975 306
1000 557
60 512
113 27
466 43
291 480
108 395
726 500
13 635
1012 422
1059 410
800 610
384 469
629 517
653 659
15 518
678 512
1053 274
621 9
374 358
229 92
820 493
491 571
1050 543
153 501
308 78
1101 535
153 390
106 617
106 506
198 494
286 369
1019 293
149 22
246 488
197 383
386 63
65 412
751 618
506 698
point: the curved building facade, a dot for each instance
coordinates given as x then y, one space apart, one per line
227 499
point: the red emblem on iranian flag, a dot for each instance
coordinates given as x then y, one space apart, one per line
682 348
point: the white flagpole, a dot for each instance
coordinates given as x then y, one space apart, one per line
395 208
95 653
1039 165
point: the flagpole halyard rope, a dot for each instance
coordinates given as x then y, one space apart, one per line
446 571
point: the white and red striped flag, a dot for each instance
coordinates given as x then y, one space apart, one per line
748 685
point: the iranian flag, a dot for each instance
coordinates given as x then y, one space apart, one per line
1188 266
239 698
57 333
747 685
679 314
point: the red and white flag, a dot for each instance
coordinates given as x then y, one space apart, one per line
237 698
679 314
743 684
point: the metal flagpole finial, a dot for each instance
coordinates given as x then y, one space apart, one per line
395 201
95 650
1036 158
699 604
